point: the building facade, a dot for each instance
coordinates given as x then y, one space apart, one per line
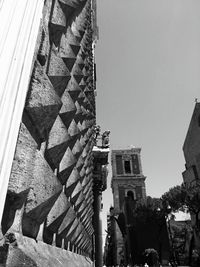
191 173
127 176
191 148
128 181
134 225
100 173
48 118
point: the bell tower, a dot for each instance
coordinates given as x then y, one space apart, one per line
127 176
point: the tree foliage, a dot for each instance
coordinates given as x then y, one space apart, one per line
175 198
183 198
147 209
149 203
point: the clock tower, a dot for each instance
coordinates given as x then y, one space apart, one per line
127 176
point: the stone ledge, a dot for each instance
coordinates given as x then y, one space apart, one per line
24 251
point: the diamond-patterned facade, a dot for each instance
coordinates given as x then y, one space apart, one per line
53 182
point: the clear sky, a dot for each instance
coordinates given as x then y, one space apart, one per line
148 76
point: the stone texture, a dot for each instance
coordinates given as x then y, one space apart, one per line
58 142
50 186
43 104
26 252
58 73
23 163
45 186
57 213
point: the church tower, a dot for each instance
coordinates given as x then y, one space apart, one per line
127 176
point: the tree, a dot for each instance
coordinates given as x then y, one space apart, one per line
151 257
175 198
187 198
147 228
147 208
184 198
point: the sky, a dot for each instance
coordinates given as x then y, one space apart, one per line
148 76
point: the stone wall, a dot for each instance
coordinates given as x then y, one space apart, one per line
49 195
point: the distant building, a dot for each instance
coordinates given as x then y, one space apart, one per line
191 175
100 172
191 148
110 258
181 232
127 181
129 234
127 176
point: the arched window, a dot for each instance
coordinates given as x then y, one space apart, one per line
130 194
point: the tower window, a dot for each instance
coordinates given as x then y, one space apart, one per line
130 195
135 164
127 166
119 164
